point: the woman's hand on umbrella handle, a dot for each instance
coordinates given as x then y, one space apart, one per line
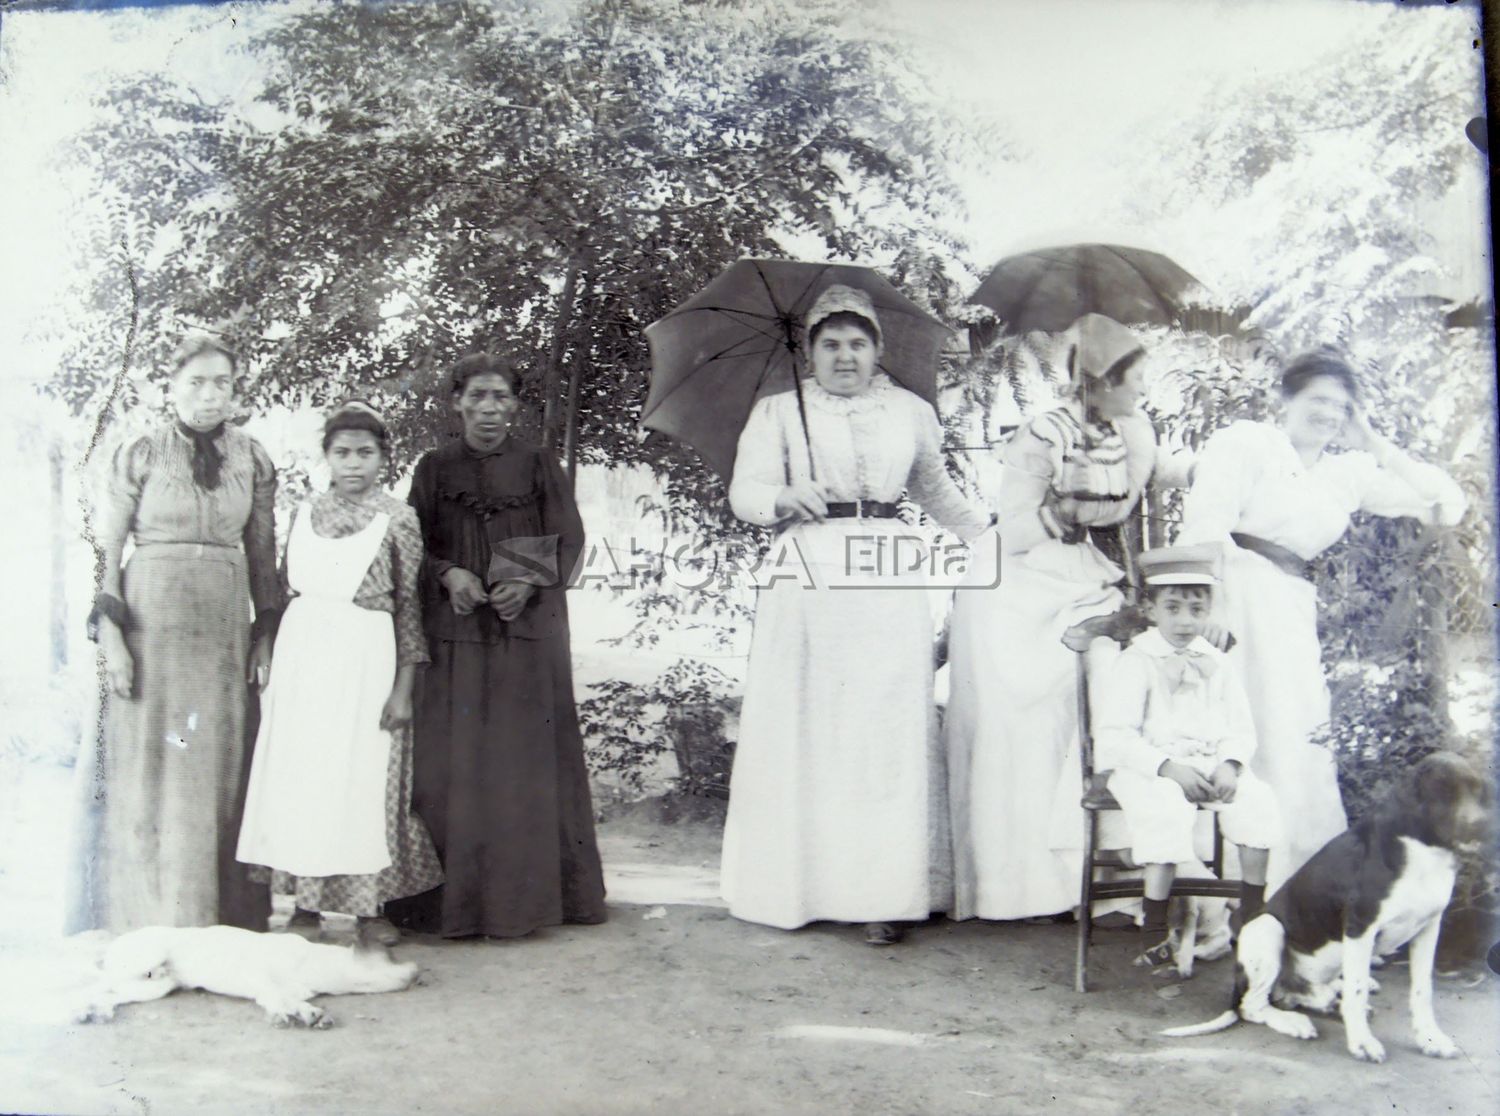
803 500
465 591
119 664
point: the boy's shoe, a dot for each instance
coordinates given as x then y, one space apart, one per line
1156 957
305 924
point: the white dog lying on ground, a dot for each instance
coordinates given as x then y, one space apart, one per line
280 972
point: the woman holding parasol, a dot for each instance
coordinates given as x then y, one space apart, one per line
837 799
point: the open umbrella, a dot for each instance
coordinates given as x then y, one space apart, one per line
1049 289
741 337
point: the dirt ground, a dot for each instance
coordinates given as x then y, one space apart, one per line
674 1007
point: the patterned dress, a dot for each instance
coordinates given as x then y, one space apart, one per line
500 779
164 782
389 586
837 803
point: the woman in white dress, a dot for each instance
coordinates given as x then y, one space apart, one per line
836 806
1274 497
1012 720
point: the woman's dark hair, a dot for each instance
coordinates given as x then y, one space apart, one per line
1307 367
195 347
358 416
483 364
844 318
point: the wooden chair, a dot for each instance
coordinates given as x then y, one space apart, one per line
1097 800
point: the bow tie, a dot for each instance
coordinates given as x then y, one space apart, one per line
1186 667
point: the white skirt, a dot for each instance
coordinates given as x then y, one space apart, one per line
837 808
316 800
1274 618
1015 780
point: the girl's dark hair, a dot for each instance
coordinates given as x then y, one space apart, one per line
1307 367
358 417
844 318
482 364
194 347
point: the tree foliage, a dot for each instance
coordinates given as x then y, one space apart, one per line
413 181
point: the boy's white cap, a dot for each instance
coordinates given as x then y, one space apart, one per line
1180 565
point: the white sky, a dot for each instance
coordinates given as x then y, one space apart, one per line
1072 82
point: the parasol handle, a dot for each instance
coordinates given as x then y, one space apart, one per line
812 465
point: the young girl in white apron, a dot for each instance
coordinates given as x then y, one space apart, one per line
326 815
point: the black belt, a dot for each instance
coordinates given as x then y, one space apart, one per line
1287 561
861 509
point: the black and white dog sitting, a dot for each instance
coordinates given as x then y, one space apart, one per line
1372 889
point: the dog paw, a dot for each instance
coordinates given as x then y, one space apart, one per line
1292 1024
1435 1044
94 1013
1366 1048
301 1015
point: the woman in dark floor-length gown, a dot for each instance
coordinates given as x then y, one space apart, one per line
499 774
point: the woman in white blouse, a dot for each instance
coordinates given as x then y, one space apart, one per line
837 806
1275 498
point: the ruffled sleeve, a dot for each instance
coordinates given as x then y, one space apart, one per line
260 539
405 533
560 515
116 507
759 466
1425 492
932 487
1223 484
1030 463
423 499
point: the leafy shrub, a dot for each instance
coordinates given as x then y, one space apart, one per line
686 710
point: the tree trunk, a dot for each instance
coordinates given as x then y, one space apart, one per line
552 415
570 427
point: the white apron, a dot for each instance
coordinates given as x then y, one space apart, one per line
316 801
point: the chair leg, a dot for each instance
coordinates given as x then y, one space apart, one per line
1086 904
1218 862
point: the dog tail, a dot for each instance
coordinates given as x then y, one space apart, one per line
1213 1026
1220 1022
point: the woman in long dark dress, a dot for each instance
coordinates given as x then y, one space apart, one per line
165 779
499 774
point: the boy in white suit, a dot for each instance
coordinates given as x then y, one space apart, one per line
1172 726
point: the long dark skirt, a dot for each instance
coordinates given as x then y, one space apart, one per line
501 784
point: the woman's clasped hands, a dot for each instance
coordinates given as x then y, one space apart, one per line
466 593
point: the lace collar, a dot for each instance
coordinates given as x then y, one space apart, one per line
881 390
